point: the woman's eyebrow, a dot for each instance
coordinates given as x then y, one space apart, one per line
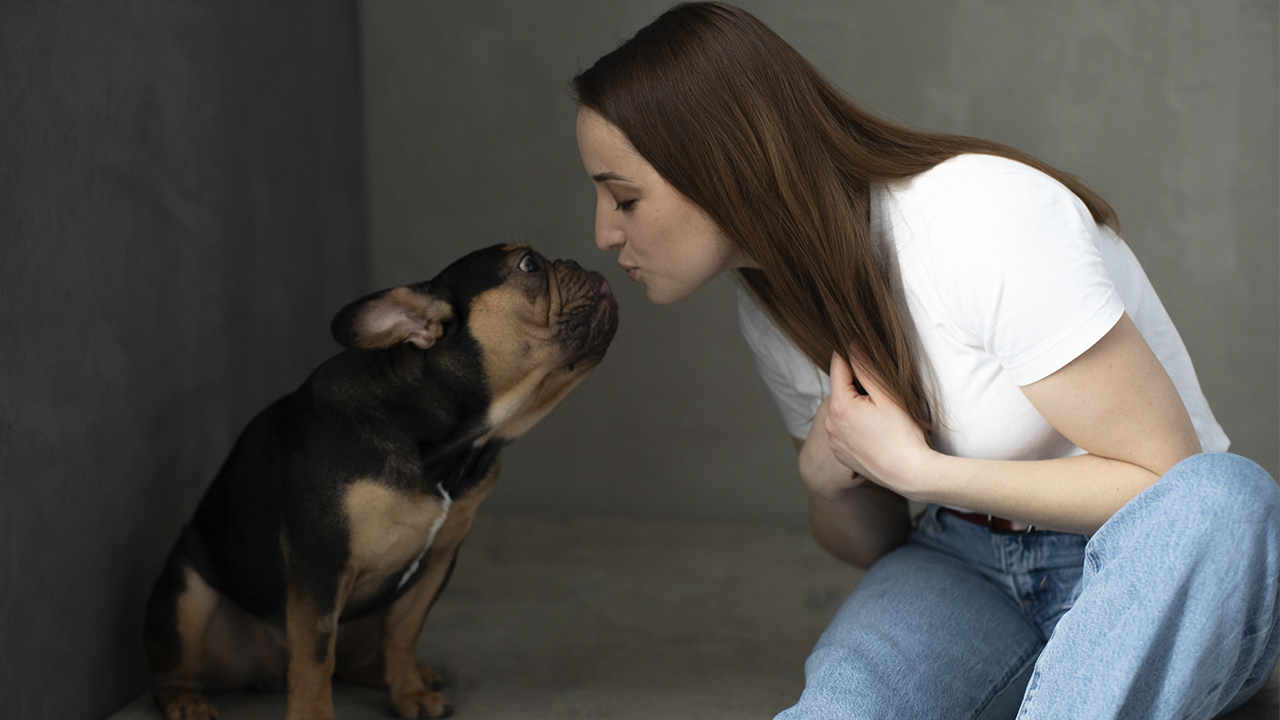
607 176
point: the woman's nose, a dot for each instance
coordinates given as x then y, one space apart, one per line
608 238
608 241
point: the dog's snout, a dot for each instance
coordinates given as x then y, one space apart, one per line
572 264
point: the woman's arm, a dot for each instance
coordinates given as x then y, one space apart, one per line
1115 401
855 521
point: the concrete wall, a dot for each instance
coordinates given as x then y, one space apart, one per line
1168 107
181 212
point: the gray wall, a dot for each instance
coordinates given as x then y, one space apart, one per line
1167 107
181 212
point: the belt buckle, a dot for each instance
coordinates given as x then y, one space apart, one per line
992 527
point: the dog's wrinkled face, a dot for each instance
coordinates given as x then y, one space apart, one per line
539 326
541 331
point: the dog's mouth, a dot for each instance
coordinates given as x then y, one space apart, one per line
588 315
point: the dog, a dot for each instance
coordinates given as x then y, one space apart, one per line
335 521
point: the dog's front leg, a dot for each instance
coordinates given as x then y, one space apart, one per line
409 683
313 604
407 680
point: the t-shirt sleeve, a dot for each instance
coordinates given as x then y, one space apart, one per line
1013 260
797 385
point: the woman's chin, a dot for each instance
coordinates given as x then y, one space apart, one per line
663 296
666 294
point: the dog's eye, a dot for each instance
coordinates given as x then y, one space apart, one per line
529 264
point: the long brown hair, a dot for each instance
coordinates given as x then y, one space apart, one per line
741 124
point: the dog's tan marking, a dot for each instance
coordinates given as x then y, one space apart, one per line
389 529
185 704
520 408
195 608
311 653
242 650
411 694
522 355
177 691
379 650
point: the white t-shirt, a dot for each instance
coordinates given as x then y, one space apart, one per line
1007 278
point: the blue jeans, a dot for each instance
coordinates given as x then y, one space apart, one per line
1170 610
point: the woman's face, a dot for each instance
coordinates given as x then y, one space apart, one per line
663 239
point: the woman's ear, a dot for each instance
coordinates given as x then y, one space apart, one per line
390 317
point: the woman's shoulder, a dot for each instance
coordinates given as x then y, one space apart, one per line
974 176
974 226
983 189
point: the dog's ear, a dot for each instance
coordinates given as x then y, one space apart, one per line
390 317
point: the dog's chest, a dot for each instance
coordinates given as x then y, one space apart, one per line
391 533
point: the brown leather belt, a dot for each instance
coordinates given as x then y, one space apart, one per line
997 525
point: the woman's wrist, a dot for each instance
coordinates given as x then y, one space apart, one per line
858 524
829 481
834 489
823 475
929 477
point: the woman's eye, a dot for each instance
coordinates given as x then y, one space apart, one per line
626 205
529 264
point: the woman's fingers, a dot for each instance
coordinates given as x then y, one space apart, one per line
842 402
872 431
841 375
867 378
855 376
843 392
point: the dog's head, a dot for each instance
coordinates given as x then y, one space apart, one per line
527 328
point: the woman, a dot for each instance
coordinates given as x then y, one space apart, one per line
994 350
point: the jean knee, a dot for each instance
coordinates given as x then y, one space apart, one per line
1220 487
1189 511
830 684
830 667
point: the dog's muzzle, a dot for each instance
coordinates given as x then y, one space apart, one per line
588 315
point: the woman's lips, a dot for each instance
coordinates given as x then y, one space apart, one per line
631 271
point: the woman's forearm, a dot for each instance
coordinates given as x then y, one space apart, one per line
851 518
1074 494
860 523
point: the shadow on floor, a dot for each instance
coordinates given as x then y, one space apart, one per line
622 619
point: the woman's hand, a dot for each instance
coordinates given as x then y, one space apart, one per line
854 520
872 432
821 472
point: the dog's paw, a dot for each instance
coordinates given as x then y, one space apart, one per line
430 678
414 705
186 705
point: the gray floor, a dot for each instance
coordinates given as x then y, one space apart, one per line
622 619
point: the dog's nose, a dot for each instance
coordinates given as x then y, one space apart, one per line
573 265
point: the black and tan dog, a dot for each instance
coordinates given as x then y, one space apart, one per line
335 521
